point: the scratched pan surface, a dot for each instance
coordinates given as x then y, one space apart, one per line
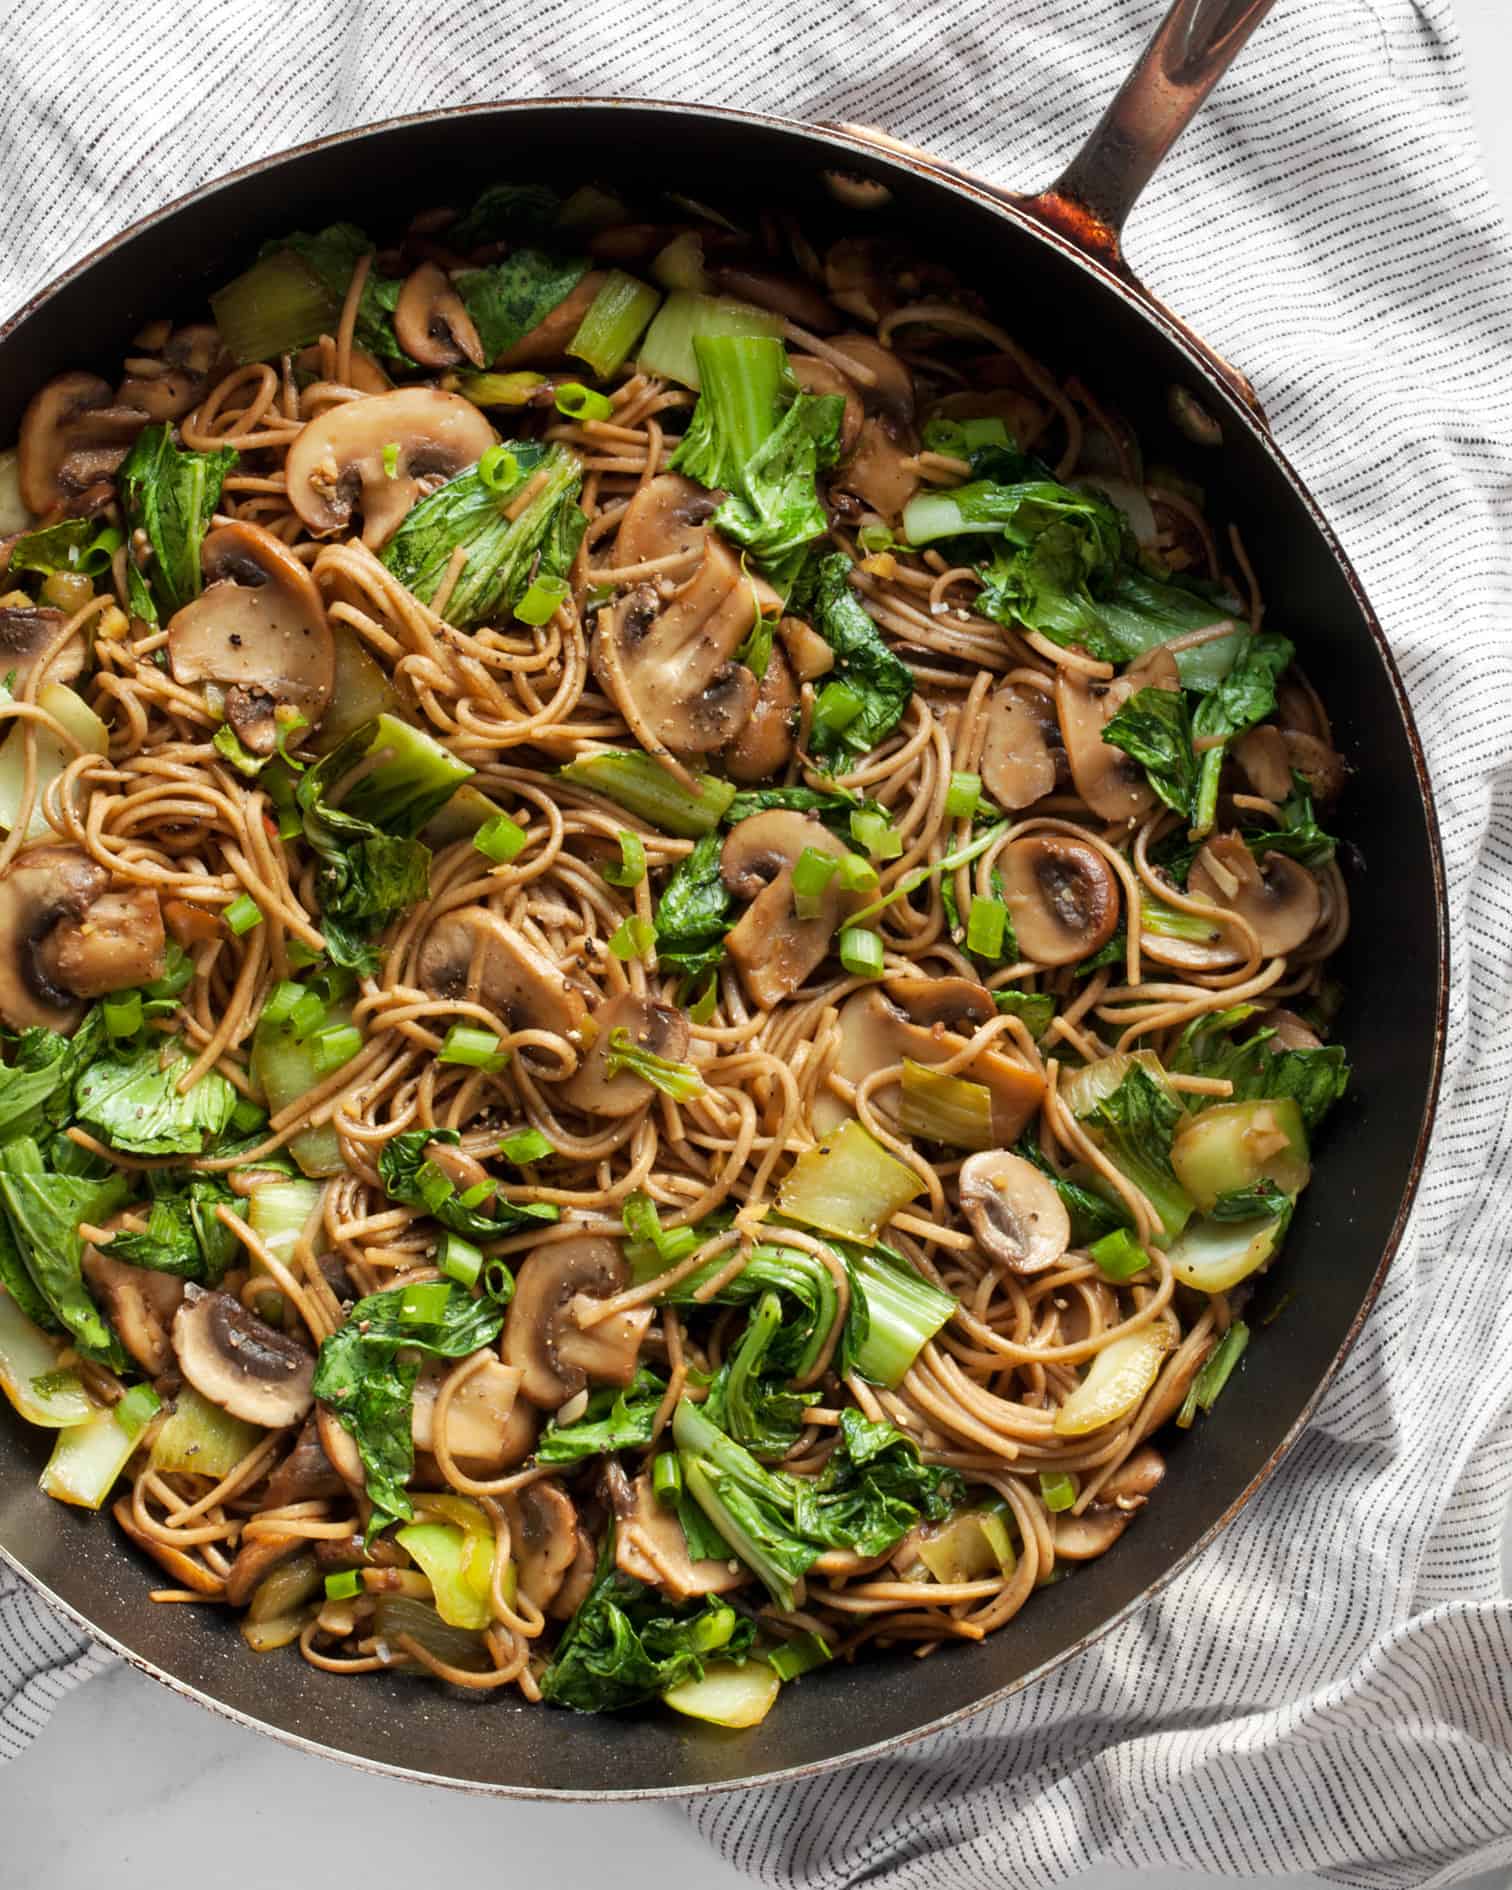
1078 317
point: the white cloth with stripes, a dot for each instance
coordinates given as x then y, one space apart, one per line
1325 224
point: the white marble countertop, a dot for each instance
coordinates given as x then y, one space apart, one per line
168 1780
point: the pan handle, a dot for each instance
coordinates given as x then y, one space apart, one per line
1087 205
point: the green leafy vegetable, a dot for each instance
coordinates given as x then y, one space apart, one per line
366 1373
132 1101
85 545
749 1398
636 782
1246 695
626 1644
833 805
617 1418
504 555
511 213
1314 1079
43 1207
1134 1126
893 1314
1154 727
1035 1008
1250 1204
36 1086
881 681
170 495
1092 1216
693 913
414 1181
184 1235
509 298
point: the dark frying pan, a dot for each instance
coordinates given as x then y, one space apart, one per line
1074 300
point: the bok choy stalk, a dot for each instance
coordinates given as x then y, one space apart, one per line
366 1373
693 914
685 319
169 494
894 1313
615 321
505 555
850 1185
636 782
868 1496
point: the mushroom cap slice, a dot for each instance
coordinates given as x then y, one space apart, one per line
472 953
669 514
1083 1538
431 322
543 1538
259 629
241 1363
1062 895
336 465
1111 783
256 1557
1277 895
118 944
554 1354
306 1474
773 949
879 471
784 294
1261 754
1319 765
764 746
72 436
189 356
875 1034
650 1545
140 1301
43 887
25 633
1017 1216
659 1028
669 665
1018 764
1135 1479
481 1433
578 1581
955 1002
807 652
547 341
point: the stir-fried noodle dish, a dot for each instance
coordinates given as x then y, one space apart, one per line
665 949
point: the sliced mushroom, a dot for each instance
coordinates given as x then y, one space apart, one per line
875 1034
659 1028
72 437
166 389
669 666
1291 1032
186 1571
259 1556
669 514
257 630
1062 896
1019 754
363 371
1277 895
431 322
1169 1391
43 887
1133 1482
482 1435
807 652
116 945
860 273
306 1474
764 746
1015 1211
239 1362
25 633
1023 417
541 1333
957 1003
140 1301
1320 766
823 377
879 471
1083 1538
789 296
547 341
1261 754
1111 783
543 1539
339 1448
773 949
337 464
473 954
578 1581
650 1546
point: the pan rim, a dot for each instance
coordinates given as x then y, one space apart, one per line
847 144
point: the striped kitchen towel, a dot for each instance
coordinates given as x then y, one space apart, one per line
1344 1709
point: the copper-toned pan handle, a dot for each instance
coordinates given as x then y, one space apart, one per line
1192 48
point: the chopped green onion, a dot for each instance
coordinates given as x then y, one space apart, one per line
812 873
1119 1255
499 471
912 881
477 1194
500 838
1057 1490
459 1259
631 868
636 782
391 460
290 823
875 538
861 952
835 708
498 1282
247 1116
123 1015
276 306
542 601
436 1189
425 1304
985 925
335 1046
858 875
616 320
342 1583
702 1007
478 1049
498 390
1215 1374
633 937
800 1655
307 1015
876 833
666 1478
680 1081
242 914
582 403
137 1409
965 792
526 1145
